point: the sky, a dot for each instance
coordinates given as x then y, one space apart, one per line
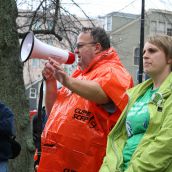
95 8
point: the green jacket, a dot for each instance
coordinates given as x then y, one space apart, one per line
154 152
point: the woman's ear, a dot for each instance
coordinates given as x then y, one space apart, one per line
169 61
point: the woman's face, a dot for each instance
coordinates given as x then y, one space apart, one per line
155 61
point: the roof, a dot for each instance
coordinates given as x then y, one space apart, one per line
33 83
120 14
159 11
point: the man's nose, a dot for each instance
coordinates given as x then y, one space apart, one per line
76 51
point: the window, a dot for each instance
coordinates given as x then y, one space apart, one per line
35 63
169 29
153 27
108 23
50 41
37 25
49 24
32 93
136 56
161 27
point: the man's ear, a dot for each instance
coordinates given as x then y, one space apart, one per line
98 48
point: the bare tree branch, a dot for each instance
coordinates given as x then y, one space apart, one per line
50 18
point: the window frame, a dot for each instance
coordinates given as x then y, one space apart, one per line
32 94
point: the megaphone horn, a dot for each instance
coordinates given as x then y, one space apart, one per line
31 47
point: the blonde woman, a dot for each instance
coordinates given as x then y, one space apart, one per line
141 140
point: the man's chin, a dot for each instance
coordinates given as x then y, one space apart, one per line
80 66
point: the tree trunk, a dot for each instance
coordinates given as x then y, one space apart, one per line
12 91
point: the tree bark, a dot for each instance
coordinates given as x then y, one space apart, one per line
12 90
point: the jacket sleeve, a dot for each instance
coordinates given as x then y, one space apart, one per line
157 156
104 167
115 83
6 120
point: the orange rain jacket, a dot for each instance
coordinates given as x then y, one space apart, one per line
74 138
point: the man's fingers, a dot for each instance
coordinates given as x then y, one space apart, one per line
36 168
47 74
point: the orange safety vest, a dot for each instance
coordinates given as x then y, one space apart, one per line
74 138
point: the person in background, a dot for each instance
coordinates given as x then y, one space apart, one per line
141 139
6 132
84 110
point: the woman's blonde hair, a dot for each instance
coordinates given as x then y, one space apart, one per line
163 42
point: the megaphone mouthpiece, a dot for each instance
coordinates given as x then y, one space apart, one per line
71 58
31 47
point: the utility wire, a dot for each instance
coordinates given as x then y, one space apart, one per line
126 6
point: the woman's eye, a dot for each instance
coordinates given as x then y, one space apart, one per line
152 50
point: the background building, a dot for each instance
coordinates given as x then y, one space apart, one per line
124 30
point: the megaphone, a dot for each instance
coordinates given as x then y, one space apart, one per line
31 47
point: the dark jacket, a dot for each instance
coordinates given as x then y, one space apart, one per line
6 131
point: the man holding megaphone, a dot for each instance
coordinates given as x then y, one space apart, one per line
84 110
